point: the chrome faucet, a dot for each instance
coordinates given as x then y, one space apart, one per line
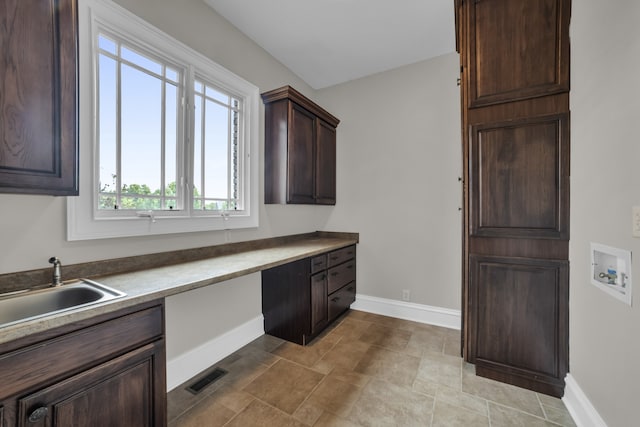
57 275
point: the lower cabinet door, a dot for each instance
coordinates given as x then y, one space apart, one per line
116 393
319 312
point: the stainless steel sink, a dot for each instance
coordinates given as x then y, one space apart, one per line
33 304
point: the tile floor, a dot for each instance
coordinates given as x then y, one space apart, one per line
365 370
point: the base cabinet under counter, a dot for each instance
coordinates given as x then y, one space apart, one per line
300 299
106 371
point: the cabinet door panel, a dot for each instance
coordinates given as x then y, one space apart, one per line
520 178
325 164
300 181
516 302
318 302
117 393
517 49
38 97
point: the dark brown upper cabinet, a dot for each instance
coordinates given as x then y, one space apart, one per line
517 49
300 149
38 97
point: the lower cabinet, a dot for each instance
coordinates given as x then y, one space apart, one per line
111 373
300 299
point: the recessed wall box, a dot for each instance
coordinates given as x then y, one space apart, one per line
611 271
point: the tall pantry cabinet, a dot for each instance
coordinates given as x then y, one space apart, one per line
514 65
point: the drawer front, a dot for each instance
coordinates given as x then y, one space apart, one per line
341 275
341 255
340 300
40 363
318 263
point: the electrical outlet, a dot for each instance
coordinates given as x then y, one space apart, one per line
406 295
635 231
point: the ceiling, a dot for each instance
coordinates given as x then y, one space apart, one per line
326 42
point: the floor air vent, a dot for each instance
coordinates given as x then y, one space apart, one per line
211 377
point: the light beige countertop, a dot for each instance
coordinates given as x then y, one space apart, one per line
159 282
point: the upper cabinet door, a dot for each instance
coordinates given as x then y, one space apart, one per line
38 97
518 49
301 165
325 163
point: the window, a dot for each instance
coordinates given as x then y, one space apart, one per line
169 135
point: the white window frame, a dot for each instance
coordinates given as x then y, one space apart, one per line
84 222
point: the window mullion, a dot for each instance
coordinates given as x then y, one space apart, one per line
118 132
229 154
203 138
163 128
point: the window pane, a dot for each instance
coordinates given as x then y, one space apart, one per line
216 150
107 131
217 95
107 44
172 74
171 135
140 60
141 132
197 86
197 151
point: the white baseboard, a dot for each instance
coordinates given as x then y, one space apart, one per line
189 364
438 316
579 406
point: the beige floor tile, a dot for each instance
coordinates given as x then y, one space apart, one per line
306 355
550 401
231 398
391 366
441 369
346 353
308 413
259 414
335 396
205 414
385 404
559 416
351 377
265 343
452 344
502 416
330 420
446 415
242 371
427 341
504 394
425 387
285 385
351 327
460 399
383 336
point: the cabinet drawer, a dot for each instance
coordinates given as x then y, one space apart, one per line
318 263
55 358
341 255
340 300
341 275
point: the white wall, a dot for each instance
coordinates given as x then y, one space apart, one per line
399 159
605 184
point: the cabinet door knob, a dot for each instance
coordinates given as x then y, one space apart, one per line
335 299
38 414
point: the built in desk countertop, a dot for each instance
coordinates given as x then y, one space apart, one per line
160 282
